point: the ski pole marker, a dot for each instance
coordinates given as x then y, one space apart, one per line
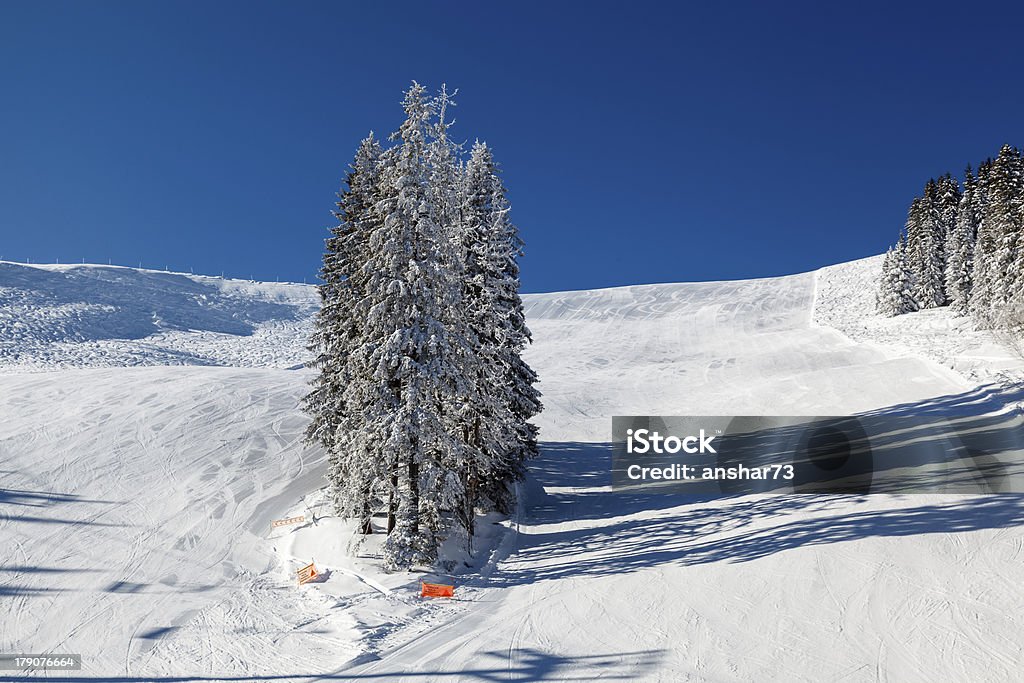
436 590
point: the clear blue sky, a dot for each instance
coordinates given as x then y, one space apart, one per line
641 142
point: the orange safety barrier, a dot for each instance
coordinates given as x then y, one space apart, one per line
307 573
436 590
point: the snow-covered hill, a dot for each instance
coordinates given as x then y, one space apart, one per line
135 501
109 316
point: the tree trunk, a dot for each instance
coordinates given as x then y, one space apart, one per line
414 493
393 503
366 525
471 490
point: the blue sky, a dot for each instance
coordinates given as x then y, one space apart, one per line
641 142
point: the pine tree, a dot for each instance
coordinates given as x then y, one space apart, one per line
446 491
946 208
916 250
886 301
413 362
498 424
1003 213
1015 279
996 246
905 289
983 271
337 333
422 399
947 203
960 248
894 296
926 253
520 377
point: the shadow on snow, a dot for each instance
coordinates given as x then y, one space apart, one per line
522 665
571 482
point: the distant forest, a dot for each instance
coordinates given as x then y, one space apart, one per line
962 247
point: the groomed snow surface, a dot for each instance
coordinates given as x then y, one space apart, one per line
135 501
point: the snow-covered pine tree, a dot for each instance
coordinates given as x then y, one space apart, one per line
925 241
1000 227
521 377
337 333
887 301
905 289
884 298
1014 317
947 205
894 293
485 418
409 353
445 491
422 398
916 250
947 202
497 423
983 278
960 248
1004 210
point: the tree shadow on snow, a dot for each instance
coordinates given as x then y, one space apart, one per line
33 510
45 501
44 498
520 665
619 532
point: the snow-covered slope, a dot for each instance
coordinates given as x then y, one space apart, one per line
110 316
799 588
717 348
846 302
135 501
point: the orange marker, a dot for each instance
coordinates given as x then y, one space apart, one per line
307 573
436 590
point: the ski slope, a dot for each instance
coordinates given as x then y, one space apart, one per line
719 348
608 586
136 500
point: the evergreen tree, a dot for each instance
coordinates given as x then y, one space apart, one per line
946 207
1003 213
983 279
445 490
894 295
947 203
337 333
885 297
960 248
520 377
422 398
498 425
926 253
412 363
916 250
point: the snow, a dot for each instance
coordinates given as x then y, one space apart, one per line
137 514
718 348
846 302
110 316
